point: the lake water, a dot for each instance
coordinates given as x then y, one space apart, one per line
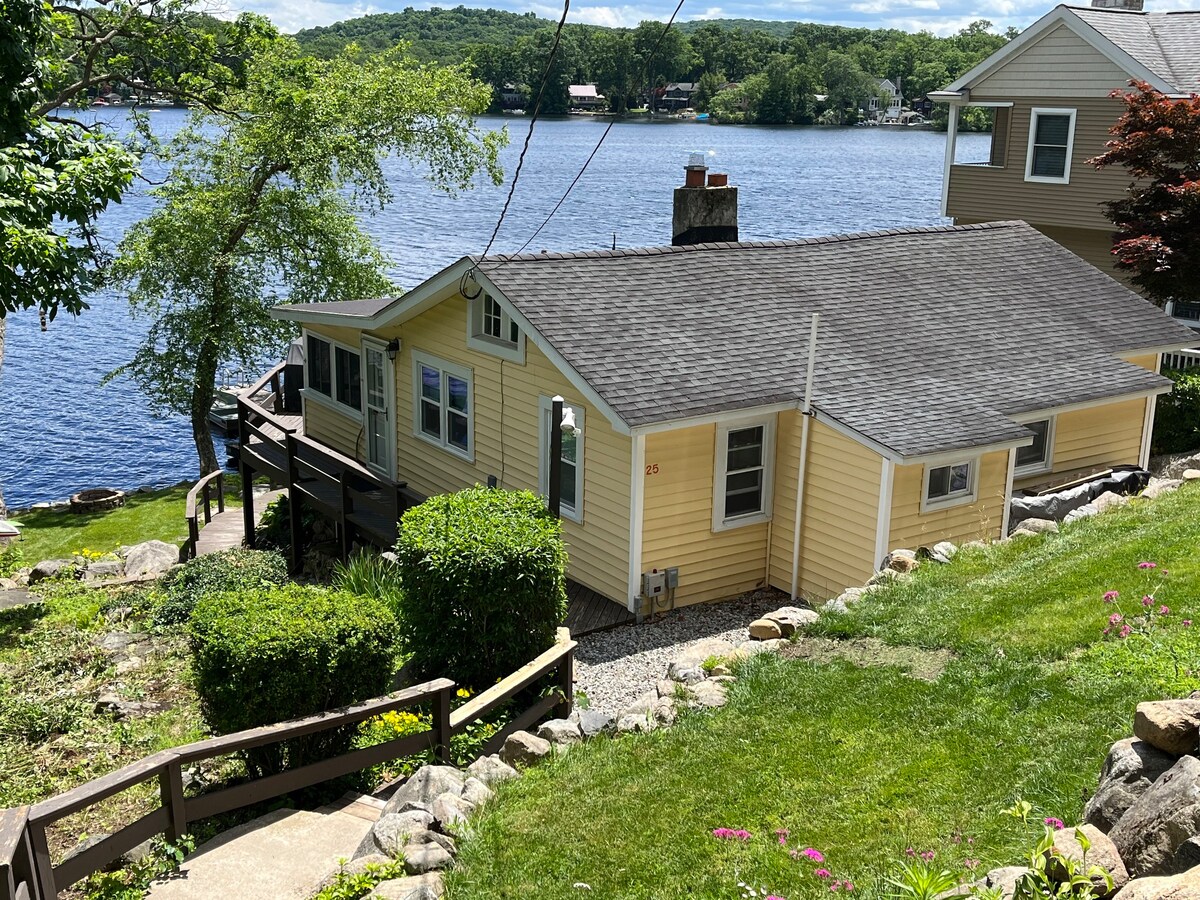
61 432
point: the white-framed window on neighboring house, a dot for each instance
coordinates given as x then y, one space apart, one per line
491 329
333 374
572 460
444 405
745 457
1038 457
1051 140
952 484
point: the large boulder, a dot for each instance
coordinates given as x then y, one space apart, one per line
1187 856
450 809
1175 887
152 558
422 858
560 731
427 783
524 749
50 568
393 831
1160 821
1102 853
1172 726
491 770
592 722
790 618
1129 769
1161 486
1039 526
420 887
765 630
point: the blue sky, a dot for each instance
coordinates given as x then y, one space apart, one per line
937 16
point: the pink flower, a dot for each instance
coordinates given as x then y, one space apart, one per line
1115 619
775 897
1147 565
1186 623
928 856
847 885
1054 823
823 873
727 834
970 863
1110 596
910 852
1164 610
814 855
1125 631
1148 601
834 887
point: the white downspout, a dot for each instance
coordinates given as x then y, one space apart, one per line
806 413
951 143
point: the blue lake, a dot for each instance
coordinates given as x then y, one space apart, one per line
60 431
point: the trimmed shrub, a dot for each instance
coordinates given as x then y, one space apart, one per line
217 573
1177 415
263 656
484 583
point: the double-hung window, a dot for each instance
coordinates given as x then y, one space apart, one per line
949 485
492 330
570 498
443 405
1038 457
334 374
1051 139
744 472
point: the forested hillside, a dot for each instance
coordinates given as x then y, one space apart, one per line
747 70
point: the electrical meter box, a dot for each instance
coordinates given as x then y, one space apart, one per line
654 583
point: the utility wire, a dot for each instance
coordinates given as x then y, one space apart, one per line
644 82
537 108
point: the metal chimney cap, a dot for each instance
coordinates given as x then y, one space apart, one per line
696 161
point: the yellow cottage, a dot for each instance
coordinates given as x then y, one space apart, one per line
996 362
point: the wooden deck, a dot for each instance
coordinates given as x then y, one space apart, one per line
589 612
227 529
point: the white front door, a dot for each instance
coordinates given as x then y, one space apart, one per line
378 404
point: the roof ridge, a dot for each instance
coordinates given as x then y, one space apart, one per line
665 250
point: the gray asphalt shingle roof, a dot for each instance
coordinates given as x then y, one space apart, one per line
1166 43
981 323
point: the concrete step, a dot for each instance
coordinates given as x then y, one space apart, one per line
284 855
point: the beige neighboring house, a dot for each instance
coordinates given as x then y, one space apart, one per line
1008 363
1049 90
585 96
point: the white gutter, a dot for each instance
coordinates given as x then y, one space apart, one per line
806 412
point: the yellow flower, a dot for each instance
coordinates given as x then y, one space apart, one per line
463 693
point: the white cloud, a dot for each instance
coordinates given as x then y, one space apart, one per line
289 16
878 7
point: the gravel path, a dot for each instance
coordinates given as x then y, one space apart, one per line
616 667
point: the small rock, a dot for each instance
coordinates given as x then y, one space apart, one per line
435 837
720 670
723 679
112 705
1172 726
425 784
491 770
943 551
644 704
118 614
450 809
49 568
1102 853
750 648
422 858
1109 500
664 712
392 832
102 570
1082 512
1005 878
1039 526
1161 487
684 672
593 722
476 792
1128 771
666 687
636 723
1021 533
150 558
765 630
524 749
902 564
852 594
422 887
560 731
836 607
707 694
1191 475
8 584
1174 887
125 666
790 618
1160 821
883 576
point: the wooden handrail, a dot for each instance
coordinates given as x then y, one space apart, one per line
203 490
272 374
482 704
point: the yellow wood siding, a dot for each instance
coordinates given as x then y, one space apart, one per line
1093 439
841 505
678 518
324 423
506 399
997 193
1146 361
980 520
1060 64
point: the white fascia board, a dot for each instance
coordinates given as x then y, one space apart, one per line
731 415
1036 415
1060 15
944 457
1160 348
577 381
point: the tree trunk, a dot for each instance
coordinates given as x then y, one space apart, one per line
3 326
202 401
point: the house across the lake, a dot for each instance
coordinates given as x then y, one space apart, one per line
1008 363
585 96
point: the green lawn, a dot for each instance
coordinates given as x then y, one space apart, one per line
863 763
157 515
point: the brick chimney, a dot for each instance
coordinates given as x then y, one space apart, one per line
706 207
1133 5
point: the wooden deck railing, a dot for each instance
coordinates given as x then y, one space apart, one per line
27 871
199 499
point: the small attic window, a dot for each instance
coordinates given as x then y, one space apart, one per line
492 330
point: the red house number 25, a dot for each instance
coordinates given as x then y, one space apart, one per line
652 470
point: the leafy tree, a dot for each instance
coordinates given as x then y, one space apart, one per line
777 106
259 208
1157 140
670 62
707 88
846 85
534 52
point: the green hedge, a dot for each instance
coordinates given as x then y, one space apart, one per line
267 655
1177 416
484 576
217 573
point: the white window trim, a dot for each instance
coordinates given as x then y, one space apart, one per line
962 499
466 374
545 408
1046 465
486 343
1033 117
330 400
721 454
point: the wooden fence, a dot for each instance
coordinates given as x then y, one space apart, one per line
28 873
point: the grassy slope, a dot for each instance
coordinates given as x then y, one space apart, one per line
50 533
864 763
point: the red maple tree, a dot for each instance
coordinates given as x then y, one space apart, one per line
1157 139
